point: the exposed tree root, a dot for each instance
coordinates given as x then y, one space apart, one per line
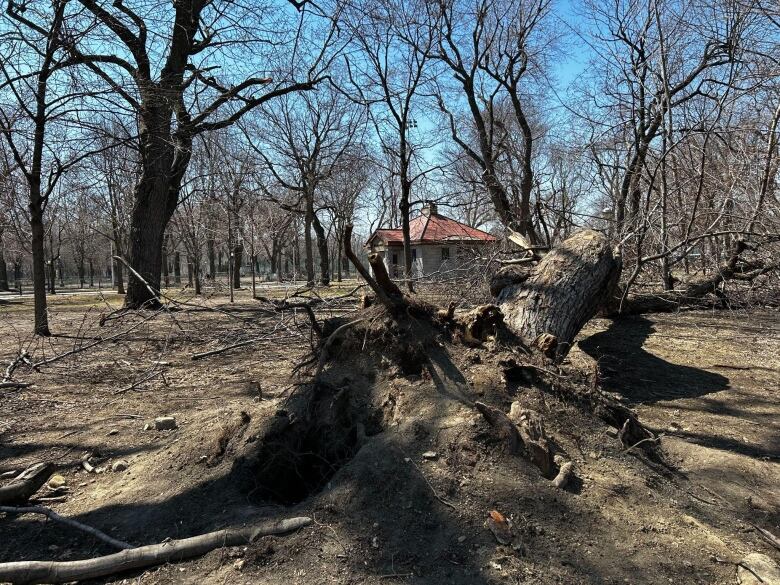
26 483
143 556
522 430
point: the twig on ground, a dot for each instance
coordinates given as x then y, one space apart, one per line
52 515
433 490
737 564
200 356
137 383
771 538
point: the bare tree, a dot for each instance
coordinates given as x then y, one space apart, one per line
308 136
494 51
389 74
185 96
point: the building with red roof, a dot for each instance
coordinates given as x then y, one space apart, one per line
437 243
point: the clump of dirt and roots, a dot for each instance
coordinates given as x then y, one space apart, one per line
441 443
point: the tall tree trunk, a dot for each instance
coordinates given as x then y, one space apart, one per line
119 276
3 271
572 282
190 269
339 260
238 253
308 246
156 195
91 273
177 268
322 249
196 275
212 255
148 222
39 269
81 271
404 206
18 276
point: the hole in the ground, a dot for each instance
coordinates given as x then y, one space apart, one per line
297 461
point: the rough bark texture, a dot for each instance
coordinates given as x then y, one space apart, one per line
238 258
562 293
39 272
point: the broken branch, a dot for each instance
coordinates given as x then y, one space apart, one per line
143 556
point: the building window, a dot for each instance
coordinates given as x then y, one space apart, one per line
395 258
445 254
414 254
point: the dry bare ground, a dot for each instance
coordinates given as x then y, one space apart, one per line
407 498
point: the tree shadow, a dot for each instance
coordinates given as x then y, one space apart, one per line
640 376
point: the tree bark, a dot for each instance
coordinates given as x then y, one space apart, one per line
566 289
238 253
3 271
119 276
322 249
143 556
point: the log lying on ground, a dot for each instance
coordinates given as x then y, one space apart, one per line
568 287
694 292
143 556
23 486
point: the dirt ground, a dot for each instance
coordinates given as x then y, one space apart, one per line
407 503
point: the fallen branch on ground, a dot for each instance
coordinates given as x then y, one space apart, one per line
564 474
52 515
143 556
15 384
26 483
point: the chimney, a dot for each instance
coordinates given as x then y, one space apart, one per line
429 208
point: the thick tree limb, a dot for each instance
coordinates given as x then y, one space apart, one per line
386 291
143 556
549 306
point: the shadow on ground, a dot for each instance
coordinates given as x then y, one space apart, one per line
628 369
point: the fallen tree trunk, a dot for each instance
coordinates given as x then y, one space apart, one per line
569 286
694 292
143 556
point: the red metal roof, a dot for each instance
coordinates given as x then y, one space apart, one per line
426 229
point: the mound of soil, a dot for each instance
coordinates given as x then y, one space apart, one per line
389 455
